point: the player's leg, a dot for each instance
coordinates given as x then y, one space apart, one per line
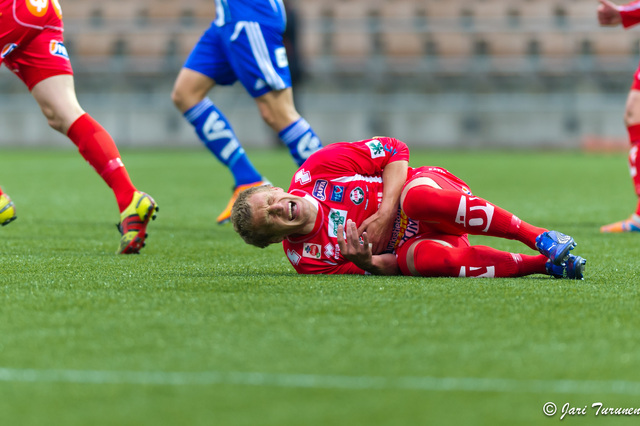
440 203
57 99
278 111
206 66
212 127
448 257
632 122
259 59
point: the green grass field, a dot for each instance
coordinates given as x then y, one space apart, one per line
201 329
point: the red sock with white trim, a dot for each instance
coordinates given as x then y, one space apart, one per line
98 148
432 259
457 213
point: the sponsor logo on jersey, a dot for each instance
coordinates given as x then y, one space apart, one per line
294 257
320 189
332 251
403 229
337 194
312 250
357 196
37 7
302 177
56 48
7 48
376 149
336 217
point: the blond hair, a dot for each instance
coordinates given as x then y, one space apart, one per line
244 222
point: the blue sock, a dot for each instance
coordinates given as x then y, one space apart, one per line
216 133
300 139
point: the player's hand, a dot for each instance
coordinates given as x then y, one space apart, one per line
608 14
378 228
352 248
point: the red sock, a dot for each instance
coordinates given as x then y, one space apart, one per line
432 259
457 213
98 148
634 154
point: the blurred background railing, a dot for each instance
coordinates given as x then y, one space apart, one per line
446 73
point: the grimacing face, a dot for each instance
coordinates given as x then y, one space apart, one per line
281 214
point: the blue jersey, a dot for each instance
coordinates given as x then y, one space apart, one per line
266 12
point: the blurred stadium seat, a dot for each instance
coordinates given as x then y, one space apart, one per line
358 36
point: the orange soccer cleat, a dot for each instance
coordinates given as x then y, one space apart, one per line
632 224
226 213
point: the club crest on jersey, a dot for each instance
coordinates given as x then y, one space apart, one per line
7 48
56 48
357 196
376 149
337 194
320 189
336 217
312 250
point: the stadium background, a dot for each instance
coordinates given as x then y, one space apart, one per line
434 73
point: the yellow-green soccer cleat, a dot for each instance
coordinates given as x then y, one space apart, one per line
226 213
7 210
133 223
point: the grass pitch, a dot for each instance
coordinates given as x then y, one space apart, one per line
201 329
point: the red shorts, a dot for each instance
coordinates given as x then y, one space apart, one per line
446 180
442 177
31 40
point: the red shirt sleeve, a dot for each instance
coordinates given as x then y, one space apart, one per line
320 267
630 13
367 157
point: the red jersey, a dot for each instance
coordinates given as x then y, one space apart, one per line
344 181
20 17
31 42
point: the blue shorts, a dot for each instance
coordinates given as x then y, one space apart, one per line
245 51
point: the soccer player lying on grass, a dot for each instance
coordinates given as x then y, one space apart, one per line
339 218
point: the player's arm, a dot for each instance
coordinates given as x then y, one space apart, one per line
360 254
378 226
611 15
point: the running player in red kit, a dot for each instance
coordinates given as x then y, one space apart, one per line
609 14
33 49
357 208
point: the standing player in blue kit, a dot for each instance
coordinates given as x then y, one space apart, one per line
243 43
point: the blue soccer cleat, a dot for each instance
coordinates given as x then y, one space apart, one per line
572 269
555 245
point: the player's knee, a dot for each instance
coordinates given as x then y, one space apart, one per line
53 120
178 99
417 201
